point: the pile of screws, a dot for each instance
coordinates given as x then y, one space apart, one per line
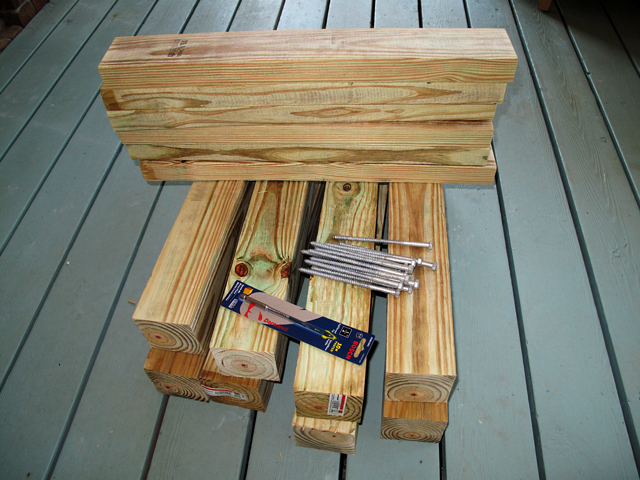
364 267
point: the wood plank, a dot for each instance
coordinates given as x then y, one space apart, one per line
123 120
453 143
605 208
176 373
302 94
21 48
257 391
572 365
623 14
349 209
456 55
490 433
269 241
302 14
26 92
332 171
421 363
176 309
123 434
415 421
256 15
612 76
82 294
274 453
46 138
330 435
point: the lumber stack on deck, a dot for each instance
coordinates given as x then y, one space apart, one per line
310 105
420 364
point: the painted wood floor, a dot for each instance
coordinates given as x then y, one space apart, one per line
544 263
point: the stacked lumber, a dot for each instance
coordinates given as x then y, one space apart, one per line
405 105
420 363
348 208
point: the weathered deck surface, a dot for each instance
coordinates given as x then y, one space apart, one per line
544 263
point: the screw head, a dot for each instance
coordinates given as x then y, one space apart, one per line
241 270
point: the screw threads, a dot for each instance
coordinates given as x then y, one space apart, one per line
428 245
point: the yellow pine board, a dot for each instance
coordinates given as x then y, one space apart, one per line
433 55
420 360
174 311
358 136
332 435
257 391
330 171
301 94
415 421
349 209
122 120
263 259
176 373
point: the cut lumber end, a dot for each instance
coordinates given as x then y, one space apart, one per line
175 373
332 435
248 393
168 336
249 364
418 388
418 422
316 405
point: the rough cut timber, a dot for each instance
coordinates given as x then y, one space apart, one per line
176 373
257 392
417 421
428 55
301 94
270 238
339 171
123 120
349 209
332 435
445 142
420 361
175 309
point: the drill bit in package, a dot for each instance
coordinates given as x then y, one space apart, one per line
321 332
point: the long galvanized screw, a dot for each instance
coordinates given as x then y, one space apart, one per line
356 261
342 279
328 268
428 245
381 261
327 257
399 258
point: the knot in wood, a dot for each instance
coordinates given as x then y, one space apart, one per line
285 271
346 187
241 270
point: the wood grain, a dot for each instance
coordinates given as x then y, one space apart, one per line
299 94
175 309
332 435
415 421
257 391
331 171
263 259
122 120
420 365
349 209
176 373
448 55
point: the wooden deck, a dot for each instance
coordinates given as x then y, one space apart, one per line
545 263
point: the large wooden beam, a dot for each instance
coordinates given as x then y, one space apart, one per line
269 241
447 143
242 392
420 362
174 311
330 171
349 209
300 94
443 55
416 421
332 435
176 373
